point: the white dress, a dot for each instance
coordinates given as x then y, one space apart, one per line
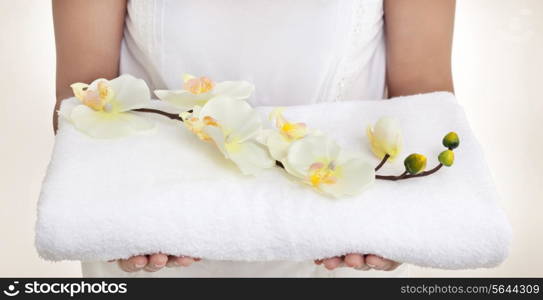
295 52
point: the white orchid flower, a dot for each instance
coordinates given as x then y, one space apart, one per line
199 90
319 162
278 141
102 109
193 122
233 126
385 138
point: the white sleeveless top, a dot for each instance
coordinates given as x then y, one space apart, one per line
295 52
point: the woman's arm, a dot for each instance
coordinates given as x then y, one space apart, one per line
419 41
419 44
88 38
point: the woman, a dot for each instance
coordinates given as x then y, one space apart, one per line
295 52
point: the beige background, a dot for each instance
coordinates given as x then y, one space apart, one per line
498 63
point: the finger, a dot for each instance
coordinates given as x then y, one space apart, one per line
332 263
393 266
184 261
133 264
172 263
379 263
126 266
318 261
181 261
156 262
356 261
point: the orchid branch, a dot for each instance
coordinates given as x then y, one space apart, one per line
160 112
382 163
406 175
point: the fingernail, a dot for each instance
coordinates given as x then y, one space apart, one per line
139 266
371 266
173 264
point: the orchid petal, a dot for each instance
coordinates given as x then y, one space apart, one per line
216 134
67 107
250 128
233 116
187 77
251 158
240 90
355 176
385 137
130 93
108 125
79 89
183 99
374 143
277 145
303 153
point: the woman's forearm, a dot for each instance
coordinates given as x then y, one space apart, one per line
88 38
419 44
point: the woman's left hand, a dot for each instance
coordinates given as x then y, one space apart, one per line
359 262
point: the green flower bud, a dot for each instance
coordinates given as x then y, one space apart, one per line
451 140
415 163
446 158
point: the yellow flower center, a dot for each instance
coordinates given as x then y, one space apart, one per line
288 127
198 85
209 121
196 125
98 99
291 131
323 173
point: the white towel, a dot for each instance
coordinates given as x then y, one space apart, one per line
166 191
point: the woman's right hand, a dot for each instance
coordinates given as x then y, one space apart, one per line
154 262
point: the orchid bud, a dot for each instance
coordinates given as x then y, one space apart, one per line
446 158
451 140
385 137
415 163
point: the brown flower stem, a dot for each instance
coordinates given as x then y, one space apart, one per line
391 177
160 112
382 163
406 175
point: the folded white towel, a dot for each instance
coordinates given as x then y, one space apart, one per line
166 191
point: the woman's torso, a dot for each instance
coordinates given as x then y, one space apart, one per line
295 52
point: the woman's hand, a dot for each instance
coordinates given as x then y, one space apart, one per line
359 262
419 43
154 262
